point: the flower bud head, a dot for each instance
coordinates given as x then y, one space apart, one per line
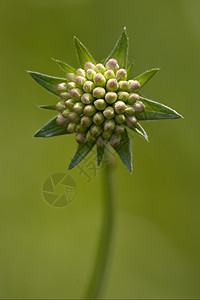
80 128
123 96
71 85
123 85
100 68
133 85
90 74
65 96
78 108
115 140
74 118
80 138
99 80
139 107
111 97
112 64
60 106
61 87
119 107
71 127
119 119
70 76
109 112
99 92
76 94
61 121
89 65
100 142
133 98
109 125
119 129
87 98
112 85
109 74
131 122
98 118
89 110
107 135
86 121
66 113
69 103
100 104
81 72
121 74
89 137
96 130
88 86
80 80
129 111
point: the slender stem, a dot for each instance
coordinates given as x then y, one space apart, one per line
100 271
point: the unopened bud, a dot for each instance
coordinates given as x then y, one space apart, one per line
89 137
109 112
112 64
133 85
78 108
89 110
74 118
111 97
80 128
76 94
129 111
89 65
90 74
112 85
80 138
139 107
100 142
123 85
98 118
96 130
119 129
131 122
120 119
100 68
81 72
86 121
100 104
99 80
61 87
121 74
66 113
80 80
123 96
71 127
107 135
109 125
88 86
61 121
70 76
65 96
69 103
87 98
71 85
109 74
99 92
133 98
60 106
115 140
119 107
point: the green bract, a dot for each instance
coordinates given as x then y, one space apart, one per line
99 103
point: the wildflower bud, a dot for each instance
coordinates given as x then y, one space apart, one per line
71 127
109 74
107 135
131 122
99 92
112 85
69 103
70 77
80 80
100 142
133 85
115 140
133 98
80 138
123 85
100 104
109 125
61 87
90 74
61 121
66 113
87 98
139 107
88 86
96 130
121 74
89 65
129 111
98 118
109 112
80 128
119 107
78 108
119 129
81 72
111 97
76 94
100 68
65 96
89 110
71 85
119 119
86 121
99 80
89 137
60 106
112 64
74 118
123 96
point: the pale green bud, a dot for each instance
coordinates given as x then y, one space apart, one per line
121 74
71 85
133 98
88 86
70 76
96 130
89 65
80 138
86 121
131 122
89 110
98 118
81 72
76 93
107 135
129 111
66 113
109 112
100 104
112 85
89 137
65 96
78 108
112 64
115 140
74 118
71 127
120 119
61 87
60 106
80 128
61 121
111 97
109 125
99 80
119 129
139 107
133 85
119 107
100 142
87 98
123 96
90 74
123 85
109 74
100 68
80 80
69 103
99 92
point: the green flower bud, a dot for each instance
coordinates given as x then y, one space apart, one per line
112 64
115 140
69 103
61 121
100 68
80 80
99 92
107 135
71 127
78 108
89 110
70 77
119 119
123 96
133 98
74 118
88 86
99 80
66 113
133 85
109 125
100 142
80 138
80 128
89 137
90 74
98 118
121 74
81 72
123 85
111 97
112 85
65 96
71 85
86 121
139 107
131 122
129 111
119 129
96 130
109 112
87 98
119 107
109 74
60 106
89 65
100 104
61 87
76 94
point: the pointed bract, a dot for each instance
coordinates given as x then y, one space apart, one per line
48 106
140 130
81 152
146 76
82 53
65 67
124 151
51 129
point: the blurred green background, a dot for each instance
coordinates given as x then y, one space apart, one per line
48 252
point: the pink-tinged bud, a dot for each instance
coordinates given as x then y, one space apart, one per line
111 97
89 110
123 85
96 130
112 85
89 65
109 74
81 72
80 80
99 80
71 127
76 94
120 119
112 64
100 104
119 107
98 118
107 135
71 85
121 74
131 122
99 92
74 118
88 86
133 98
70 76
129 111
123 96
61 87
87 98
89 137
78 108
109 112
69 103
80 128
80 138
100 68
90 74
109 125
100 142
115 140
61 121
60 106
66 113
65 96
133 85
139 107
119 129
86 121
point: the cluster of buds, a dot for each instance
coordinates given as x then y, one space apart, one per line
98 102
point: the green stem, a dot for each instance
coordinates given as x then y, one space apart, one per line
100 271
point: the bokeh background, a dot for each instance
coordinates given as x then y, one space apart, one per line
48 252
